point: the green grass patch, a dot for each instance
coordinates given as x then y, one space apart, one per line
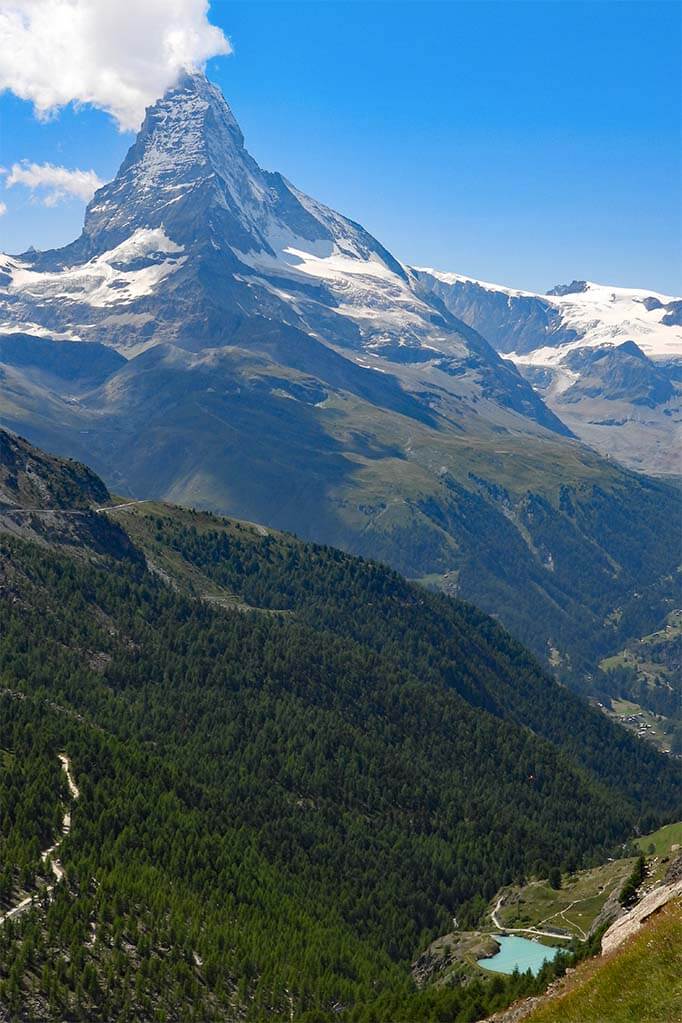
662 840
572 908
615 661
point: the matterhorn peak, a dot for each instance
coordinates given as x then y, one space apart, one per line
194 97
187 140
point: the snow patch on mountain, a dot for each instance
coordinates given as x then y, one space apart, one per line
320 259
37 330
604 359
118 276
360 281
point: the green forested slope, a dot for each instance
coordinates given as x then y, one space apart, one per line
279 808
441 639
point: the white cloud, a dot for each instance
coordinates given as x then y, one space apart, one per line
3 209
53 184
117 55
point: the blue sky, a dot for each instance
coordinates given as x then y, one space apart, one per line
521 143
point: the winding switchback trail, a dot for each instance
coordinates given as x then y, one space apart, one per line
48 856
524 930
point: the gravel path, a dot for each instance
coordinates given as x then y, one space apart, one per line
48 856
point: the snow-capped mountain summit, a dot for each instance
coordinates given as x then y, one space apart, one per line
189 158
194 244
569 316
187 186
192 241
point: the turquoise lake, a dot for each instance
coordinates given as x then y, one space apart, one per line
518 954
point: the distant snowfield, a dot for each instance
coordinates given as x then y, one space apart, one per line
599 315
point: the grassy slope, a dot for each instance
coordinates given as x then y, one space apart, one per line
647 675
640 651
573 907
640 983
641 721
663 840
585 891
139 521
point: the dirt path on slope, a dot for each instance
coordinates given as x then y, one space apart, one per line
49 856
523 930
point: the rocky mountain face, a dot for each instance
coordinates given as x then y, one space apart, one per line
54 502
607 361
31 479
220 339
